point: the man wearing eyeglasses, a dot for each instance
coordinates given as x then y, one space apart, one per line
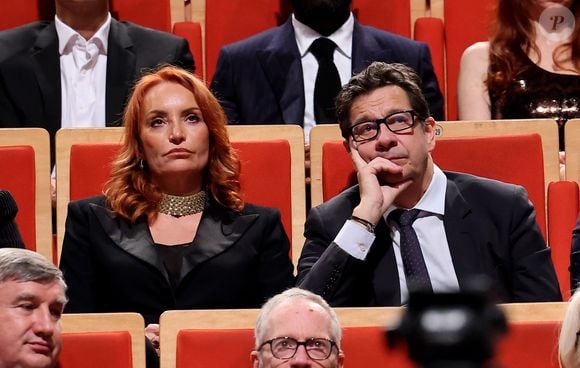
297 329
407 224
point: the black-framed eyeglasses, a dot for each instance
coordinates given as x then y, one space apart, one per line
399 122
286 347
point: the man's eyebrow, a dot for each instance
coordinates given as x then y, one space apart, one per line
366 118
25 296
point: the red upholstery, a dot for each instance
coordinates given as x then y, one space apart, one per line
516 159
338 172
191 31
393 16
17 165
96 350
227 21
149 13
265 177
90 167
530 345
367 347
466 22
562 214
17 13
154 14
214 348
498 157
431 31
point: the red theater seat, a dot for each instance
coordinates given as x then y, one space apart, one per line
25 168
97 340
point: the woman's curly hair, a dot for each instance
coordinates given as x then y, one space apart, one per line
130 192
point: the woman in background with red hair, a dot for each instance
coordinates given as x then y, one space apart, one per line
529 69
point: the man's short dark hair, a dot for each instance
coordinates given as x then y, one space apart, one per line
378 75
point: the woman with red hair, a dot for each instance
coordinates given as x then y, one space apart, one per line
530 68
171 231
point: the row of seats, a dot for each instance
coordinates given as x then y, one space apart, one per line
523 152
452 26
224 338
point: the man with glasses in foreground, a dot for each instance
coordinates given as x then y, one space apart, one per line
297 328
408 225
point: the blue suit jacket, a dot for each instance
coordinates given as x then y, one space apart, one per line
259 80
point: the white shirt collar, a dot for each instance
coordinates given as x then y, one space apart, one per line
68 36
433 200
342 37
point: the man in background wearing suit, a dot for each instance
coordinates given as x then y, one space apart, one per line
78 70
32 298
409 225
271 77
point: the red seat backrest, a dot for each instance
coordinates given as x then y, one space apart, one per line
266 176
17 165
149 13
533 344
223 348
96 350
367 347
228 21
530 344
265 173
516 159
90 168
154 14
338 172
563 206
393 16
466 22
17 13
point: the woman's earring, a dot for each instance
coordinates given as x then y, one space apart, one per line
142 164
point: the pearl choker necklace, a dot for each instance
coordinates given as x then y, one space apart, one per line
178 206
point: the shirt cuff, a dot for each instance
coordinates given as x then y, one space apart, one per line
354 239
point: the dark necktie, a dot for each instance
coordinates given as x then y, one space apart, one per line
327 82
413 262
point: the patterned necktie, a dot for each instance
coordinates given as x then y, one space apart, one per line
413 262
327 82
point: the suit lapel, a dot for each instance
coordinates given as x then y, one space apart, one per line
135 239
218 230
281 63
46 65
365 50
462 236
121 61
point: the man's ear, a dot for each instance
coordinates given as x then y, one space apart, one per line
255 359
346 144
340 359
430 128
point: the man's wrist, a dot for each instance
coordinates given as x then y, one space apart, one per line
365 223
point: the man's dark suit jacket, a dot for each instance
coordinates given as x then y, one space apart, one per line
235 261
259 80
30 87
491 230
